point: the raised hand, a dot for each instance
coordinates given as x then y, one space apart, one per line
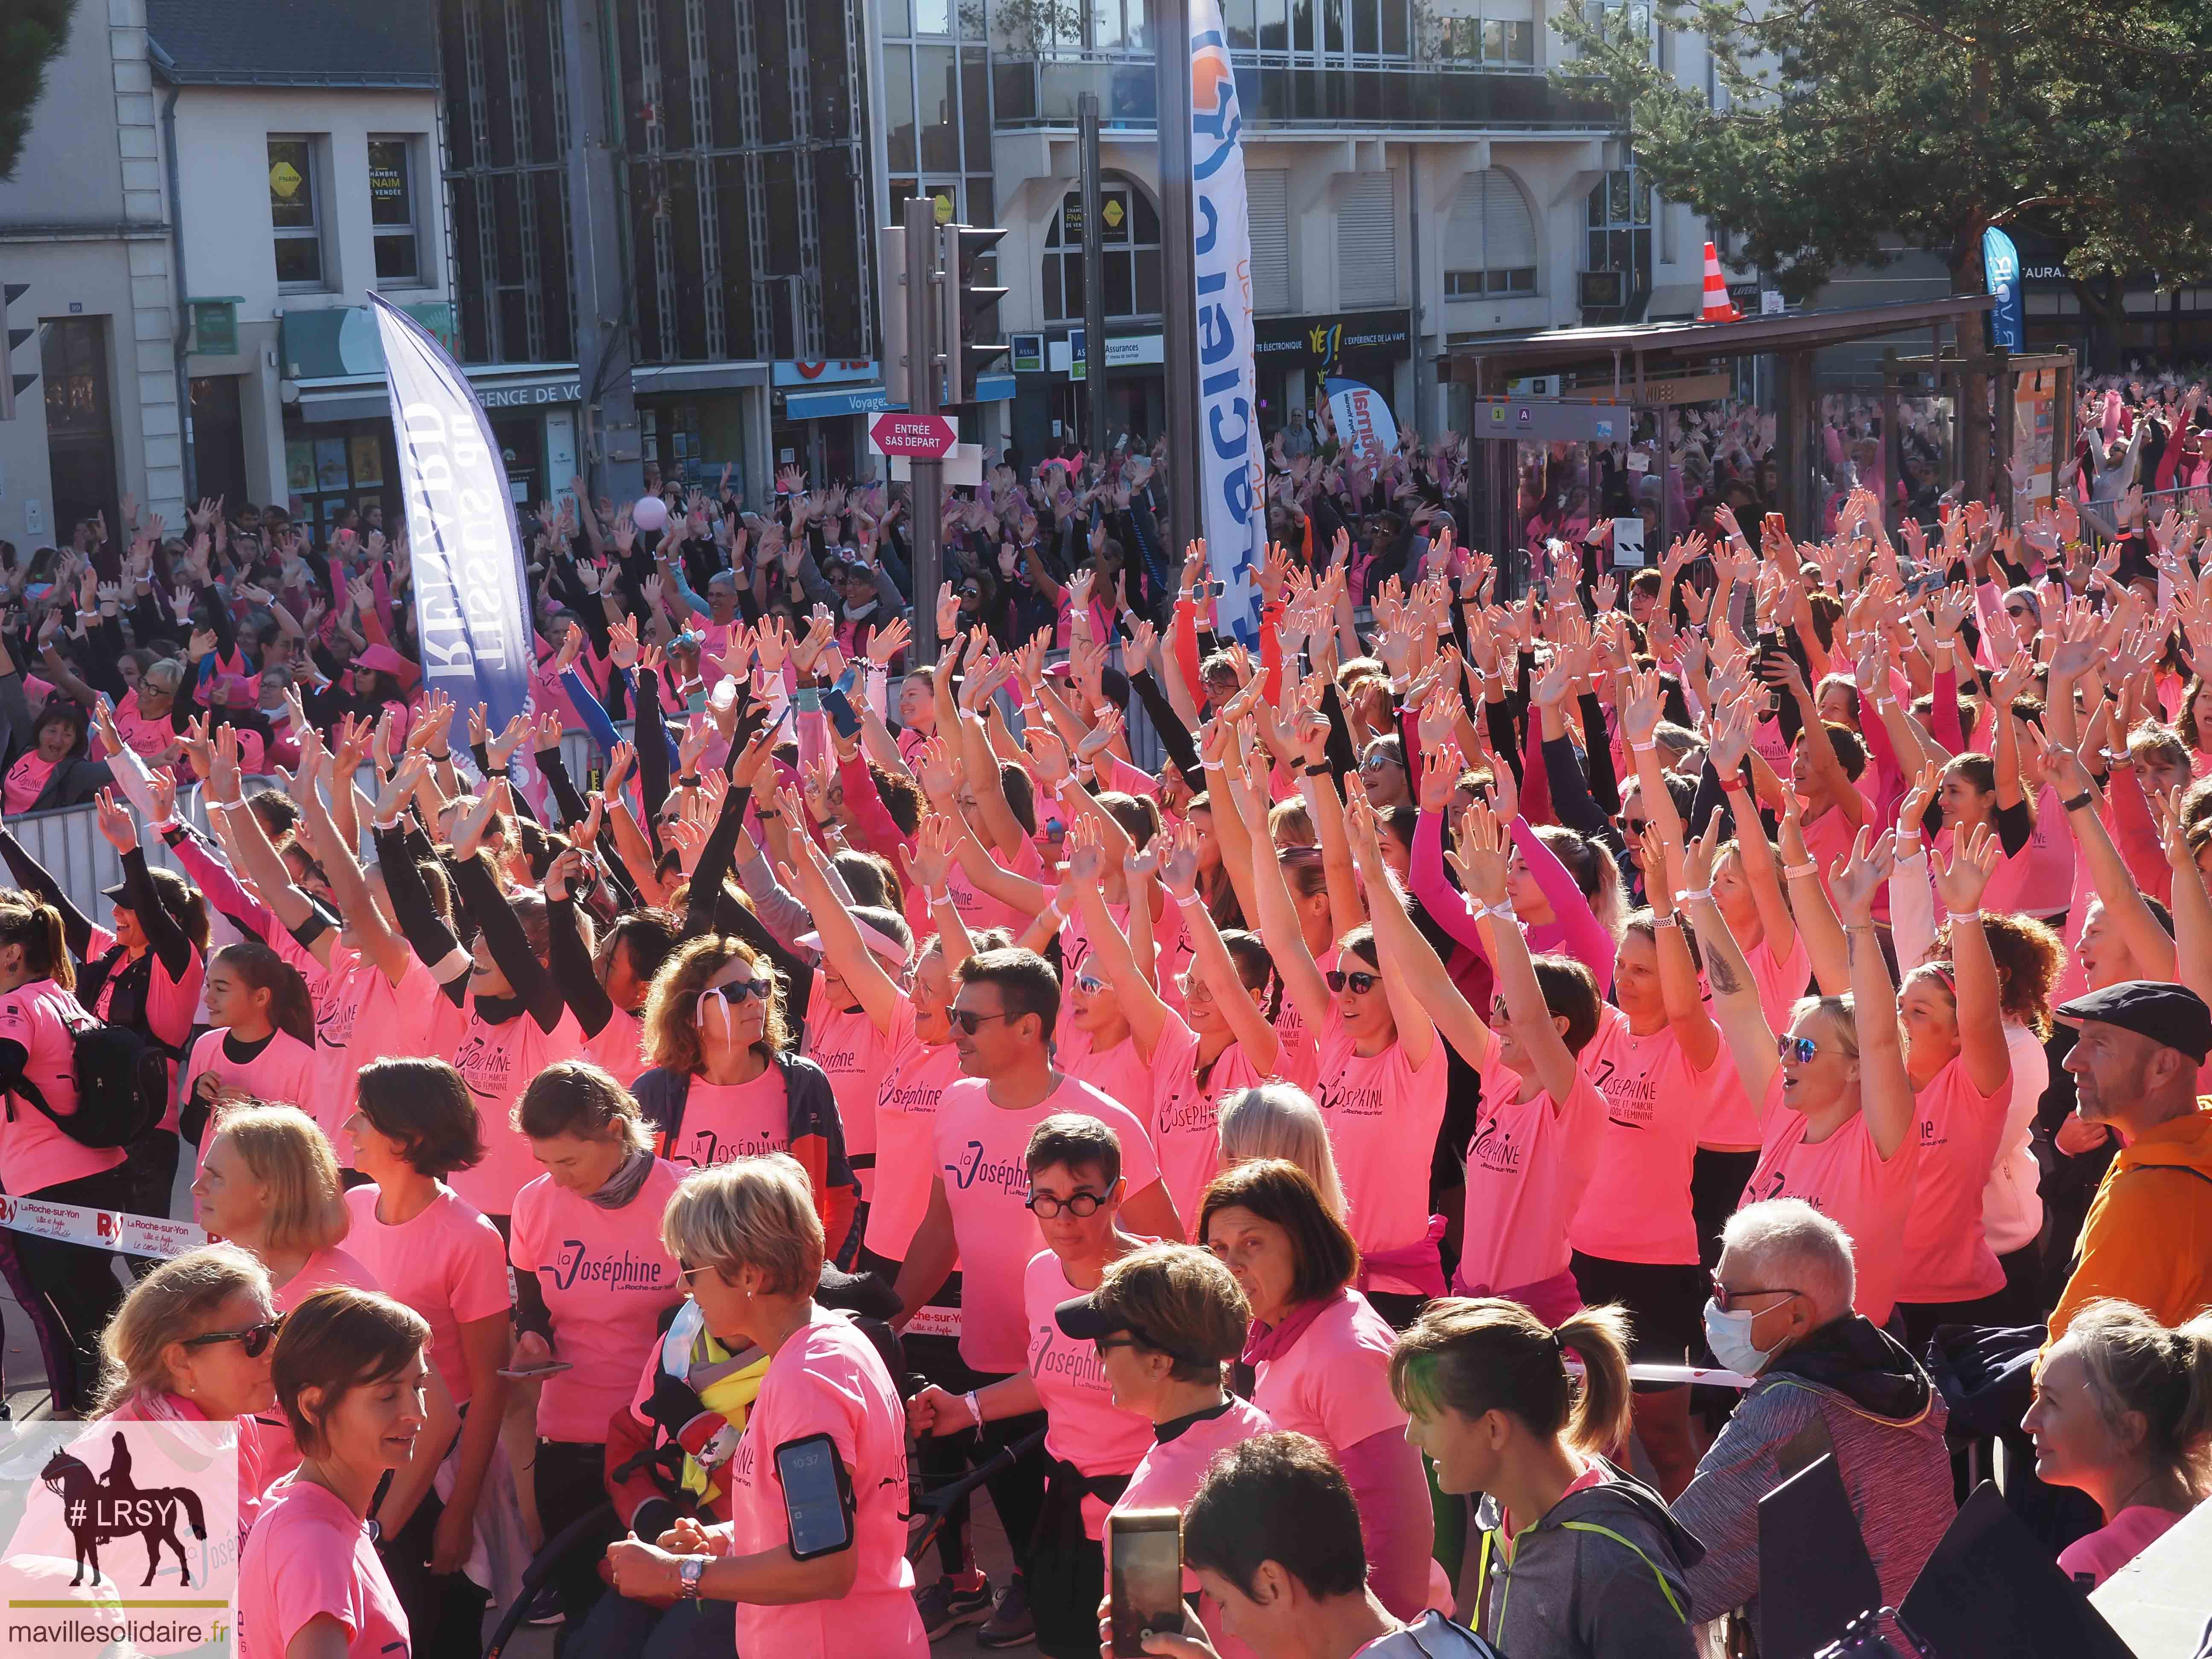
1961 880
1483 856
116 824
1858 876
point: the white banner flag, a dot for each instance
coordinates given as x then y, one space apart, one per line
1233 509
471 597
1362 421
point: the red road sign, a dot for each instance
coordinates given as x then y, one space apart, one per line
926 437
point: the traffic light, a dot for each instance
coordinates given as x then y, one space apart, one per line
10 382
970 299
890 290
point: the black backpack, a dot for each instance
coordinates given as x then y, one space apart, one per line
122 1086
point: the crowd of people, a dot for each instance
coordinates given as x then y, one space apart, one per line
874 1079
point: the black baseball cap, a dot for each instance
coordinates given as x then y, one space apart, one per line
2170 1014
1082 1318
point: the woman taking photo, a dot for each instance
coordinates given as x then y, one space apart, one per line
1075 1188
2122 1411
814 1552
413 1124
726 1081
592 1280
349 1371
1321 1355
1577 1559
191 1344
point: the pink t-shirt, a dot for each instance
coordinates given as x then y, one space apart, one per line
726 1120
497 1062
140 735
1637 1206
827 1379
977 1151
1185 1116
1119 1072
906 1128
1527 1167
618 1049
1947 1257
1168 1474
283 1074
448 1263
1334 1381
254 1438
173 1004
1733 1124
26 782
1845 1179
1383 1117
606 1277
35 1153
361 1017
978 909
845 1044
1083 1425
309 1556
2090 1561
325 1267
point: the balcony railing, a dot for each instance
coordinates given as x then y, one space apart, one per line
1286 90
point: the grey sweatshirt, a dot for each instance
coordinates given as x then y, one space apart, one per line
1602 1576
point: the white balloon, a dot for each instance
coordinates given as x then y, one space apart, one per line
650 513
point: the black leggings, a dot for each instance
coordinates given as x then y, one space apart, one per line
1716 1183
569 1481
72 1290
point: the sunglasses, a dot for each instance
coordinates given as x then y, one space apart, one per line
967 1019
1045 1206
1090 984
254 1339
738 990
1636 826
1360 984
1801 1049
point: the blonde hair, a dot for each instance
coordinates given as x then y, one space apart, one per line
178 1299
751 1213
1280 1120
1475 1356
2135 1365
284 1150
673 1040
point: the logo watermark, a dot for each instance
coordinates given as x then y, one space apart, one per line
118 1537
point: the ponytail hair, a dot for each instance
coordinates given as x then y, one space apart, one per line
37 926
2137 1365
1477 1355
291 1005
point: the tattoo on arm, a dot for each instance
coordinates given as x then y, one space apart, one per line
1720 973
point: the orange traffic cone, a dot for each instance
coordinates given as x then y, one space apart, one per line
1718 308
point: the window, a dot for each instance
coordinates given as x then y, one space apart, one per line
1620 228
1489 240
1129 254
392 210
295 211
1625 19
1367 241
1500 32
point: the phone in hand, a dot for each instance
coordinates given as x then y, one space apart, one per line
838 701
1143 1555
534 1373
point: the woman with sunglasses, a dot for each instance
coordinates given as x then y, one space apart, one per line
726 1081
592 1280
1075 1188
191 1344
1838 1117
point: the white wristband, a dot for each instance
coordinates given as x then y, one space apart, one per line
1214 765
935 899
1504 910
1697 895
1190 900
1797 871
974 1406
1963 916
390 823
1641 748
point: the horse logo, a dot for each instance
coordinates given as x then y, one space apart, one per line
97 1510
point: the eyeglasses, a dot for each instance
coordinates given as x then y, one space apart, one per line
687 1272
1722 1295
254 1340
1801 1049
967 1019
1360 984
1636 826
1105 1345
737 990
1045 1205
2018 610
1194 987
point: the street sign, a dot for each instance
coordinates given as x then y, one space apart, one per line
928 436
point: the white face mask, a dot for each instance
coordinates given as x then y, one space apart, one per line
1728 1334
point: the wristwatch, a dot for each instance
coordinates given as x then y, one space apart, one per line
690 1569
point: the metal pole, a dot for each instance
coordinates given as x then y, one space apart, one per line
1095 436
1168 22
922 263
603 355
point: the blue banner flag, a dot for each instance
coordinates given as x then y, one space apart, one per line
2000 272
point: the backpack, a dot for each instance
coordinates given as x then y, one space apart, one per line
122 1086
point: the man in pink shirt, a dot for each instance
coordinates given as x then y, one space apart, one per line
1003 1017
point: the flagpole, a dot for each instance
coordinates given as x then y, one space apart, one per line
1168 22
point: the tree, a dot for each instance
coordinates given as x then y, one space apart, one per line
31 33
1847 128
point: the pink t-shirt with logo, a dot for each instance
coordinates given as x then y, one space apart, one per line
1947 1257
308 1557
1733 1124
1186 1113
1119 1072
1528 1167
361 1017
1383 1117
448 1263
35 1152
1168 1474
906 1128
497 1062
1083 1425
1845 1179
25 783
606 1277
726 1120
1637 1206
977 1151
845 1044
827 1379
2093 1559
283 1074
619 1048
1334 1381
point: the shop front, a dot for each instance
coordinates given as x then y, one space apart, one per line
822 413
1294 356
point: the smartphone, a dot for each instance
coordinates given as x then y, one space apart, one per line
1926 582
817 1497
533 1373
838 701
1143 1555
1775 523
